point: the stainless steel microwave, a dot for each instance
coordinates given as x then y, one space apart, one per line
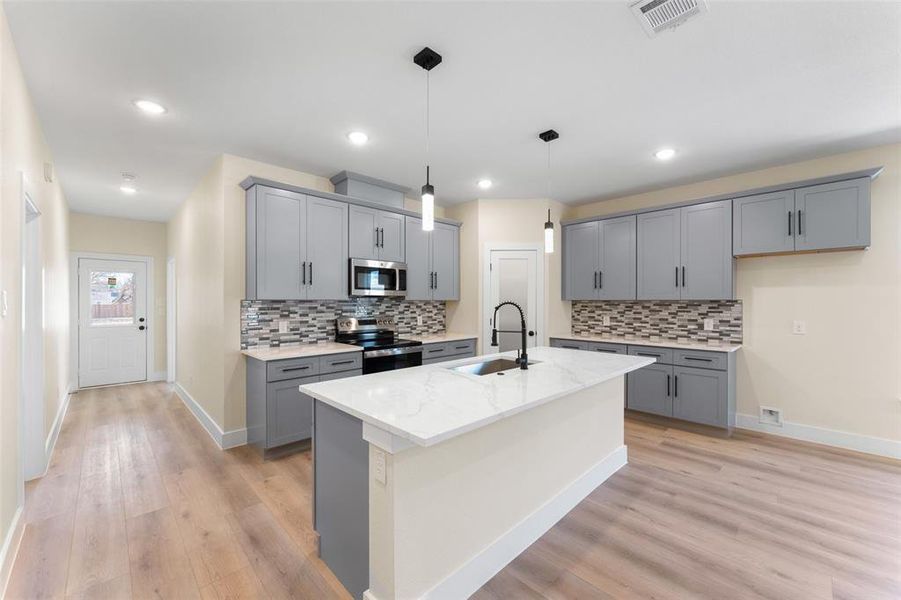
377 278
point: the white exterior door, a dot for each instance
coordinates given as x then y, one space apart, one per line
514 278
112 322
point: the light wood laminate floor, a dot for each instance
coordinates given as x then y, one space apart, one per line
138 502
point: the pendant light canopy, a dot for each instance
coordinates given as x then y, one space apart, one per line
548 136
428 59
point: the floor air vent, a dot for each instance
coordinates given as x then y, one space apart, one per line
658 15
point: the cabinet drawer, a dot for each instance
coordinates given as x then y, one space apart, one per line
334 363
292 368
340 375
430 351
569 344
663 355
467 347
607 347
700 358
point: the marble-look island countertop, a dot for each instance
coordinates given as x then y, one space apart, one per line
437 338
430 404
658 343
302 351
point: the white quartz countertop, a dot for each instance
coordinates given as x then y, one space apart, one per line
266 354
660 343
429 404
437 338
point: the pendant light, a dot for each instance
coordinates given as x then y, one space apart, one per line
548 136
428 59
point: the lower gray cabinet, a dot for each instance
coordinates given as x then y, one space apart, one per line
440 352
650 390
698 395
608 348
568 344
289 414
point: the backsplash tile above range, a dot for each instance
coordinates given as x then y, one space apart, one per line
665 319
311 321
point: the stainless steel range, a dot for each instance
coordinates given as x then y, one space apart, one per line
382 349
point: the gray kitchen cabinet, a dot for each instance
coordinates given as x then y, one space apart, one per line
763 223
833 215
433 261
830 216
698 395
659 247
296 246
580 252
650 390
599 260
568 344
442 351
376 234
608 348
277 413
706 252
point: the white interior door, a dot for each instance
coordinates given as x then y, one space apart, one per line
514 278
112 322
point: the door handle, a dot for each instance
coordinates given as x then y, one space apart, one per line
303 269
436 280
141 328
376 237
383 237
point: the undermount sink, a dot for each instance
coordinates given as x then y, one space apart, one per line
488 367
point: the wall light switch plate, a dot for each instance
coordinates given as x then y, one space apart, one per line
283 326
419 319
708 324
4 305
799 327
379 468
606 320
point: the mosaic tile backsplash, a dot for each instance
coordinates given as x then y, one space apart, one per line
668 320
311 321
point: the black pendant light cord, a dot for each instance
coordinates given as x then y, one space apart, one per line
428 119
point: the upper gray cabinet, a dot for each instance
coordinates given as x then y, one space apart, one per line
433 261
376 234
599 259
686 253
296 246
830 216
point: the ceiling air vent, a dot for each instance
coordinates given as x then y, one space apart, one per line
657 15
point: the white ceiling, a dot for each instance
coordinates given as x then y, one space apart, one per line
746 85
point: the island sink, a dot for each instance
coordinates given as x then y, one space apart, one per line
489 367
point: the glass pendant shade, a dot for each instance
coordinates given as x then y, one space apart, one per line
548 235
428 207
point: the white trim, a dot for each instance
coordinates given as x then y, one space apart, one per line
171 312
157 376
223 439
468 578
10 548
74 257
50 442
540 335
821 435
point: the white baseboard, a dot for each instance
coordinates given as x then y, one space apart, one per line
50 442
157 376
820 435
464 582
10 548
223 439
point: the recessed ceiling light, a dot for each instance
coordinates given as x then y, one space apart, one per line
485 184
127 188
357 138
665 153
150 107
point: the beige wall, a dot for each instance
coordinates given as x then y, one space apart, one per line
24 149
844 374
110 235
487 221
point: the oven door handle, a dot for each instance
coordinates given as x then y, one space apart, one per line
392 352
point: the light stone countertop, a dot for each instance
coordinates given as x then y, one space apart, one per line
429 404
659 343
302 351
437 338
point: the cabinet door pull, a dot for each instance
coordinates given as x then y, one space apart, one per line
464 347
698 359
683 276
677 276
304 368
436 280
676 386
381 237
667 385
789 223
311 272
595 280
800 232
648 354
376 237
600 280
303 269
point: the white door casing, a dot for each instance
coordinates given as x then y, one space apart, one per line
113 322
513 275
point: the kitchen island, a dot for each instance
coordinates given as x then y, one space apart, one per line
429 480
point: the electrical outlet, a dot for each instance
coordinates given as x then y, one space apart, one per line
419 319
799 327
379 469
708 324
606 320
282 326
